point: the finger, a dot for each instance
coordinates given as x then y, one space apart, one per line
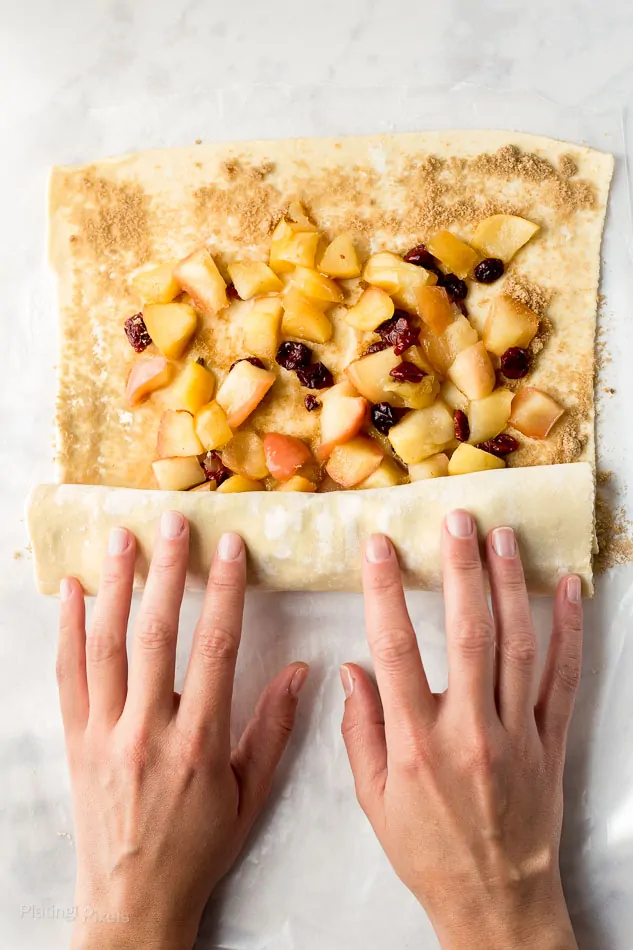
71 656
406 698
106 655
363 731
470 640
561 676
151 681
208 689
516 663
265 738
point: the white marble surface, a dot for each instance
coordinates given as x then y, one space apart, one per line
80 79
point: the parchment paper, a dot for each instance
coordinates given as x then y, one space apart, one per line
313 877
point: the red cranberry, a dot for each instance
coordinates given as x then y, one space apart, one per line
406 372
375 347
315 376
214 468
292 355
384 416
515 363
399 332
489 270
462 426
456 288
500 446
231 292
136 332
311 403
248 359
419 256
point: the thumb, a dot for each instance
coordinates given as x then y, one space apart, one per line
265 738
363 731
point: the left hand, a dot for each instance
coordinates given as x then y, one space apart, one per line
162 805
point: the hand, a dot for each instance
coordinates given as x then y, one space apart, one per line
162 806
464 789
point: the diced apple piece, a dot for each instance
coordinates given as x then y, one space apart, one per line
411 281
501 235
472 372
157 285
510 323
354 461
415 395
243 390
245 455
453 397
340 258
298 216
387 475
434 307
303 318
251 278
207 486
239 483
343 413
416 355
146 376
211 426
534 412
423 432
373 307
382 270
315 286
199 276
466 459
442 350
297 483
436 466
193 389
171 326
291 247
177 435
178 474
489 416
370 374
456 256
262 327
284 454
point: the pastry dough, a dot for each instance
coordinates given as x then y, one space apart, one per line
313 542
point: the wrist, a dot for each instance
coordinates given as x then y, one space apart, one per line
106 925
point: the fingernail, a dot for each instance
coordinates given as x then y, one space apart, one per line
574 591
298 680
230 547
504 542
377 549
172 524
118 541
460 524
347 680
65 589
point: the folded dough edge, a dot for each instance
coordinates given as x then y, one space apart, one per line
313 542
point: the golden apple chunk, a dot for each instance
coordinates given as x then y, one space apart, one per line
387 475
423 432
177 435
373 307
178 474
199 276
315 286
435 466
456 256
251 278
146 376
509 323
245 455
370 375
239 483
472 372
303 318
342 416
297 483
340 258
262 326
243 390
292 245
171 326
467 459
212 427
534 413
157 285
354 461
193 388
489 416
502 235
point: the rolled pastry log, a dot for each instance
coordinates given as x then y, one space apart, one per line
313 542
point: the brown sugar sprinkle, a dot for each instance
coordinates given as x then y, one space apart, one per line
252 205
114 218
567 166
536 298
570 196
614 534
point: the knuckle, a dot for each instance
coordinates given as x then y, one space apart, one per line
137 748
216 643
101 646
193 746
110 578
512 582
568 673
481 755
165 563
394 647
465 559
520 649
225 582
154 633
386 584
473 635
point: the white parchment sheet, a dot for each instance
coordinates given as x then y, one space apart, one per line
313 877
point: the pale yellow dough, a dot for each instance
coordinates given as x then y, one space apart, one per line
313 542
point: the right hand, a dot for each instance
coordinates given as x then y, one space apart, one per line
464 789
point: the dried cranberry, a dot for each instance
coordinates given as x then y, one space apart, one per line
488 270
515 363
501 445
462 306
136 332
384 416
214 468
462 426
456 288
399 332
200 361
419 256
315 376
375 347
406 372
292 355
231 292
248 359
311 403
